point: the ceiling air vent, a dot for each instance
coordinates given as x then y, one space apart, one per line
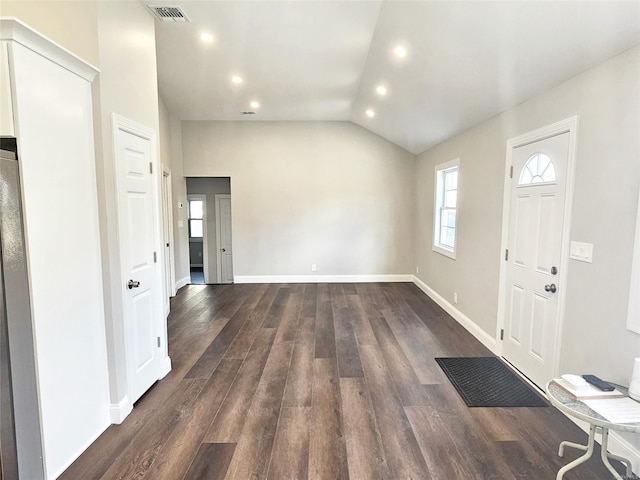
169 13
247 113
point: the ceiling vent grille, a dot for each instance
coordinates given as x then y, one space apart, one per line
169 13
247 113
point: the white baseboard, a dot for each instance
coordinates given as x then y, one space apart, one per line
321 278
165 367
79 452
484 338
182 282
119 411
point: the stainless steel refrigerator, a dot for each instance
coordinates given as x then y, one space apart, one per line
20 430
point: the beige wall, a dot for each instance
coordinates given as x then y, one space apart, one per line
607 179
73 25
179 194
127 86
119 38
329 193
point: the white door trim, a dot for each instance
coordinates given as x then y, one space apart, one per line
167 217
569 125
218 197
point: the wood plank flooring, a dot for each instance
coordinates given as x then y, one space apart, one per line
322 381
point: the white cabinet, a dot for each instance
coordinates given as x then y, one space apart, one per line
45 101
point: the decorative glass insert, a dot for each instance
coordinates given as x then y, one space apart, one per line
538 169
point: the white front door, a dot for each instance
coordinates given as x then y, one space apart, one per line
535 235
141 277
223 227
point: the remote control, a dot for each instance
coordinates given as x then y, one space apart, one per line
600 384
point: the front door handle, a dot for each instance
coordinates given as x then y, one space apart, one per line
133 284
550 288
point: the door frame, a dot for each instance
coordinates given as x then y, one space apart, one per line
218 197
205 239
569 125
167 229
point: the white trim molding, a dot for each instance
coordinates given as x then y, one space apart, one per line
182 282
121 410
14 29
472 327
165 367
322 278
633 317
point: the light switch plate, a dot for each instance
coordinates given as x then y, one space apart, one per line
180 224
581 251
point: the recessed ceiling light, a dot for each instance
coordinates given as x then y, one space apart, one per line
236 79
400 51
382 90
206 37
254 104
370 113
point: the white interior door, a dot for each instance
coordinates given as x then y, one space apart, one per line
223 228
535 239
141 279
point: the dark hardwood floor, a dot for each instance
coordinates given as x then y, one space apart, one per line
326 381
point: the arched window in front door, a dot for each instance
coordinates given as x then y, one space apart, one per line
538 169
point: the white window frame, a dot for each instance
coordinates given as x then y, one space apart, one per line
200 198
438 202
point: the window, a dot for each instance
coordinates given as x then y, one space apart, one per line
444 228
538 169
196 210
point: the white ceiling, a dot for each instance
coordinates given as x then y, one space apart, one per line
322 60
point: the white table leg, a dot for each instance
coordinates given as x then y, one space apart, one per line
589 452
606 456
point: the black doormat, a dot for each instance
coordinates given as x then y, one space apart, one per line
487 382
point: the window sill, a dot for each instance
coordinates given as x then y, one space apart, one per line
443 251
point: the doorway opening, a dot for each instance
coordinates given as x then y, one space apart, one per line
209 226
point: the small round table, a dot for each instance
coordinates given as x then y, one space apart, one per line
566 403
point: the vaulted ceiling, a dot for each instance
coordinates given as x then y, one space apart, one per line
323 60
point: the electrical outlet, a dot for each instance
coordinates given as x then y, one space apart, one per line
417 269
455 297
313 267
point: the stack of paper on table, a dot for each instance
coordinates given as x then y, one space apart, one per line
616 410
587 392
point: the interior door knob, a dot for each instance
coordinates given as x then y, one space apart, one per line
224 249
550 288
133 284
